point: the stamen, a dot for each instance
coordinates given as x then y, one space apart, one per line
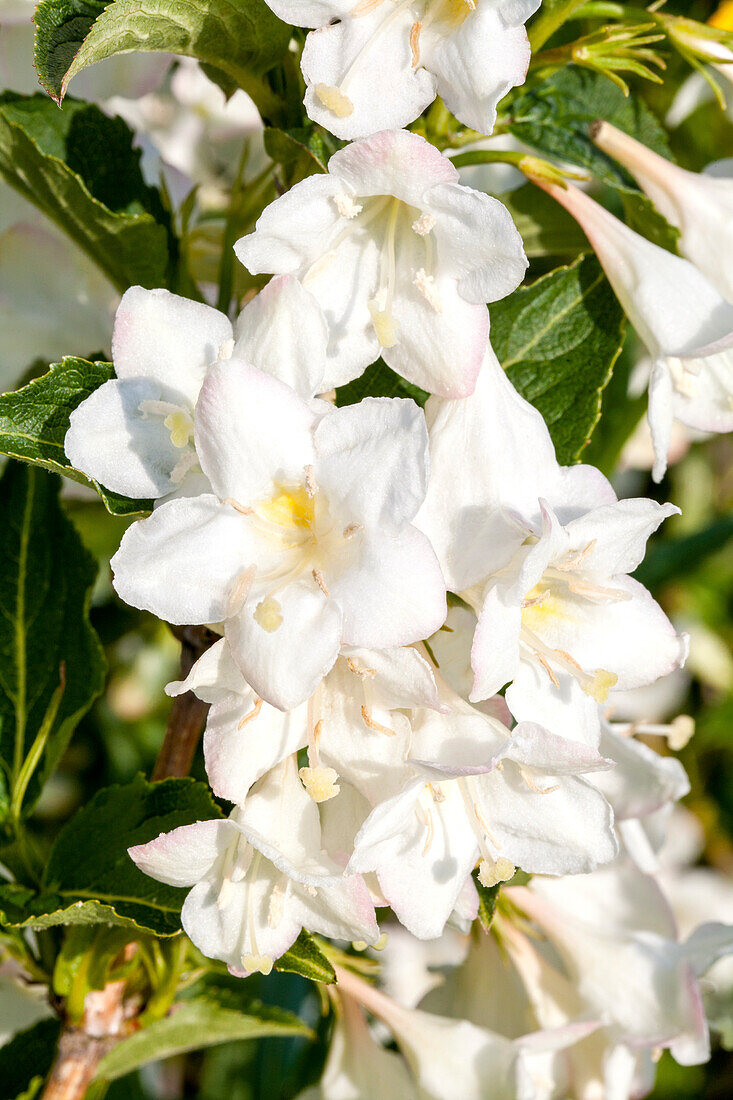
320 783
276 906
268 614
415 43
319 266
318 578
597 684
487 831
426 285
241 508
346 206
186 462
251 715
376 726
180 425
351 530
423 225
546 665
334 100
492 873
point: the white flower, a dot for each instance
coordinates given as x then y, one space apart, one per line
308 542
615 936
343 724
472 791
401 257
378 64
542 553
258 876
448 1058
686 325
699 205
135 434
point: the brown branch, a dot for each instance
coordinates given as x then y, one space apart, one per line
81 1049
188 714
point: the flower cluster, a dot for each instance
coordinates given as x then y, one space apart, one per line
421 615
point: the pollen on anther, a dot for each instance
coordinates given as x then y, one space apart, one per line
346 206
423 225
268 615
318 578
415 43
334 100
251 715
426 285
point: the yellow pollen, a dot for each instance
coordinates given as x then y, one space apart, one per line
600 685
491 874
320 783
180 425
269 614
334 100
261 963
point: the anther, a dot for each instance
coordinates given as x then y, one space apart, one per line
491 874
533 786
334 100
261 963
310 481
240 591
351 530
268 614
546 665
241 508
365 673
320 783
423 225
346 206
426 285
251 715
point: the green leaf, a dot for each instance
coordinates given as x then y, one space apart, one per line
620 413
379 381
558 340
27 1058
300 152
306 958
90 878
546 227
213 1011
488 896
554 117
34 421
240 38
79 167
46 577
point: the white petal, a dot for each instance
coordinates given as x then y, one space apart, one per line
495 649
252 431
478 63
163 336
283 332
478 240
184 855
373 458
291 231
660 415
394 593
393 162
111 441
642 781
213 678
619 533
285 666
182 561
384 90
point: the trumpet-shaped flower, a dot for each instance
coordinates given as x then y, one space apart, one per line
135 434
542 553
448 1058
698 204
306 542
615 936
378 64
401 257
684 321
258 877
